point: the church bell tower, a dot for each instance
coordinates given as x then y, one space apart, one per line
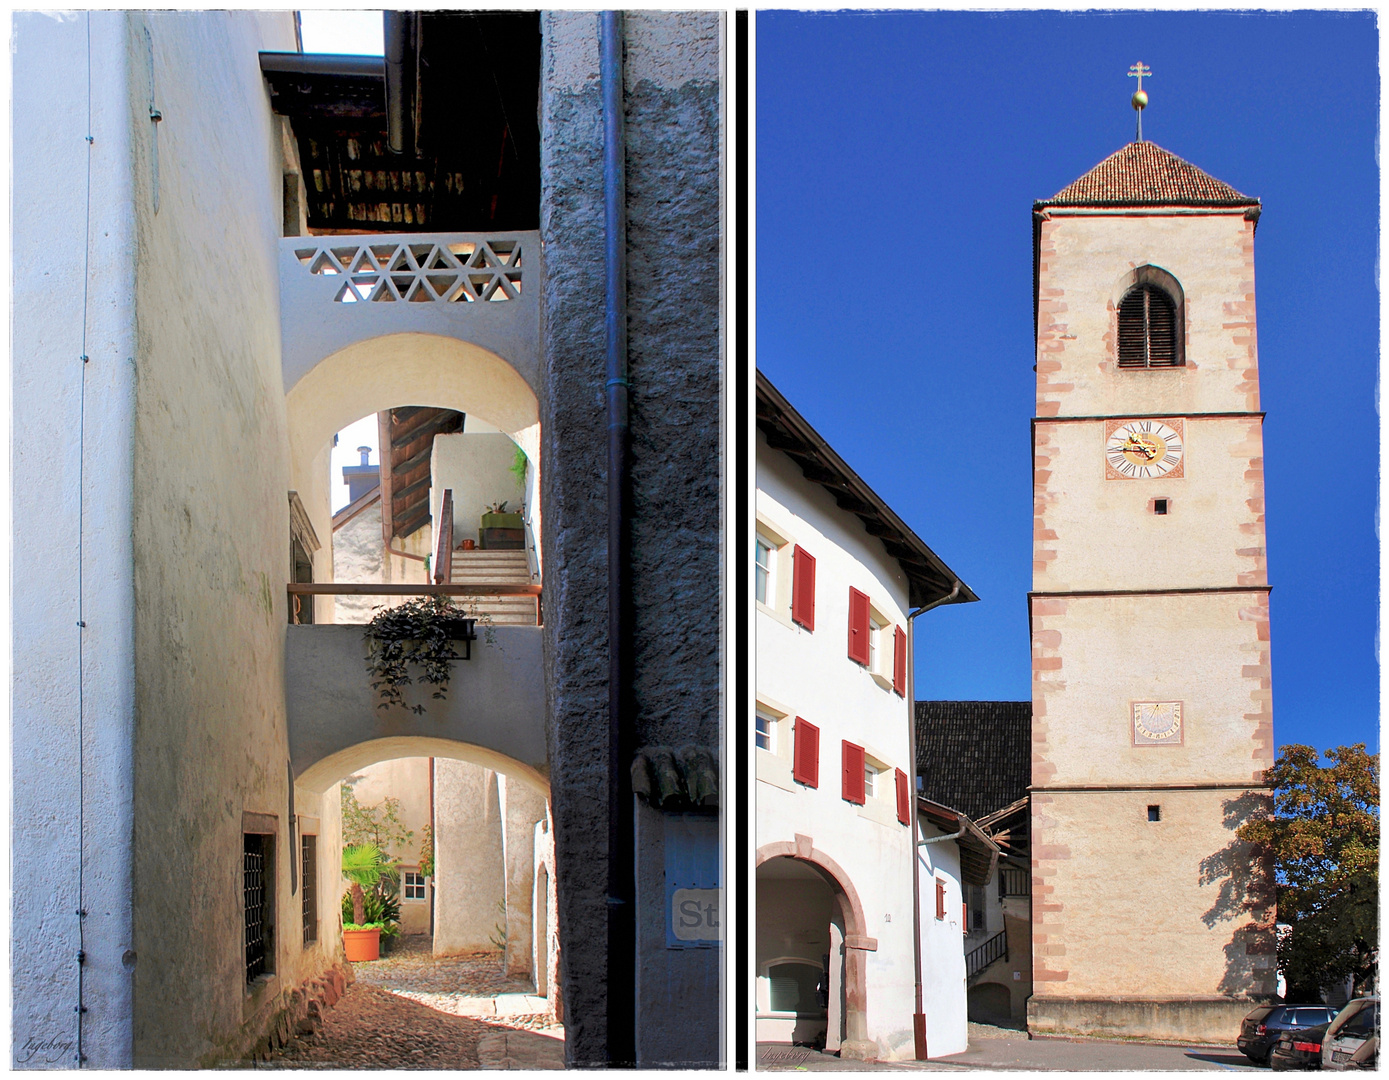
1152 711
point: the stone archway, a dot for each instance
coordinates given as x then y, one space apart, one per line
848 909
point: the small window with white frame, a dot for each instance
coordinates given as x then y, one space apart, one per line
772 569
764 569
414 887
880 648
767 723
870 781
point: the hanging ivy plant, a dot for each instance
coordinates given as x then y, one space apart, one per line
422 632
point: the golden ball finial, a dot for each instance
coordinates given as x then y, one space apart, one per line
1140 99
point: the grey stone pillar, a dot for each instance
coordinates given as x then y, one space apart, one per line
675 329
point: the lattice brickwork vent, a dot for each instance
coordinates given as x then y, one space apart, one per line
421 273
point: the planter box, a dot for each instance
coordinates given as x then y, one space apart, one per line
503 521
360 945
502 539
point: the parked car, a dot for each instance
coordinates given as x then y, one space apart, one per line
1262 1027
1298 1049
1352 1040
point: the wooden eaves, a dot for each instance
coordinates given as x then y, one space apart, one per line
928 578
978 853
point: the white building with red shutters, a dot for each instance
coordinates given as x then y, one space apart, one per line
838 579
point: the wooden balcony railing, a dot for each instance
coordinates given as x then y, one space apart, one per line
343 588
443 558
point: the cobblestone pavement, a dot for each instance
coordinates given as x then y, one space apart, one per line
409 1010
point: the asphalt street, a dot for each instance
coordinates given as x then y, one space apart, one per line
1023 1054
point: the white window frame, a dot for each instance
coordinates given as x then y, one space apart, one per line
406 885
880 800
772 723
766 570
774 766
781 545
870 779
882 646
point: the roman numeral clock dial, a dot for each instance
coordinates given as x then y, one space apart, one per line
1143 449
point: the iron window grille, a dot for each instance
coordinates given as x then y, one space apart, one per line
255 898
309 879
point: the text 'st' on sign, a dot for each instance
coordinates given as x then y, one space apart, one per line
697 914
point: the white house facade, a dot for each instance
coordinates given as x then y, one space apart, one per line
838 579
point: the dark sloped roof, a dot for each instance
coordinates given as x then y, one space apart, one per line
1144 174
975 756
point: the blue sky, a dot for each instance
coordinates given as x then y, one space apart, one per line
898 155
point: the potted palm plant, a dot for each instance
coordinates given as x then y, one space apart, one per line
362 866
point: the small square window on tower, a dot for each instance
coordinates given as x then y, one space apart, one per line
1160 506
1155 813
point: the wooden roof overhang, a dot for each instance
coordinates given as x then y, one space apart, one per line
978 853
928 578
406 437
471 155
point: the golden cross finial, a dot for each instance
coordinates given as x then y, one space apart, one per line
1140 98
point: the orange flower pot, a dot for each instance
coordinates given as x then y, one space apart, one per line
362 944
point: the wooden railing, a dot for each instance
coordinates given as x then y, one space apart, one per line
1014 881
343 588
980 958
443 558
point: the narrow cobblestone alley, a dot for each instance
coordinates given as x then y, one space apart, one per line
410 1010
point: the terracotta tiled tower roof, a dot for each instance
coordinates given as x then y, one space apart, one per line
1144 174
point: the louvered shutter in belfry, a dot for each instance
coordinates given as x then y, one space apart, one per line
858 626
853 773
1147 329
899 661
803 588
1133 344
904 798
1162 330
805 765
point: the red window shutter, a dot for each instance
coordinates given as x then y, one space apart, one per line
899 661
803 587
904 798
940 899
964 917
853 774
858 627
806 765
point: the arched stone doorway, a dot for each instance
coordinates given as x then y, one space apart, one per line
805 903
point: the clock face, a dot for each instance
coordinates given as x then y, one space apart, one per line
1143 449
1157 723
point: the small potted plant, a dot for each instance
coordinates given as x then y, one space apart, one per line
503 530
362 866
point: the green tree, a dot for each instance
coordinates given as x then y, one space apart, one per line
1324 840
377 824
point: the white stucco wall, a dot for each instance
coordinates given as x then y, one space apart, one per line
72 811
942 952
477 467
809 674
469 859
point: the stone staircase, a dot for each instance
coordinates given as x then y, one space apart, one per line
479 567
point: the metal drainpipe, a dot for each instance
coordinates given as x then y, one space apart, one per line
399 81
621 989
918 1015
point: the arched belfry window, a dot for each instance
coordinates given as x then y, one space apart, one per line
1150 321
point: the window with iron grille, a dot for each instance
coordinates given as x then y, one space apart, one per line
257 868
309 885
1148 329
